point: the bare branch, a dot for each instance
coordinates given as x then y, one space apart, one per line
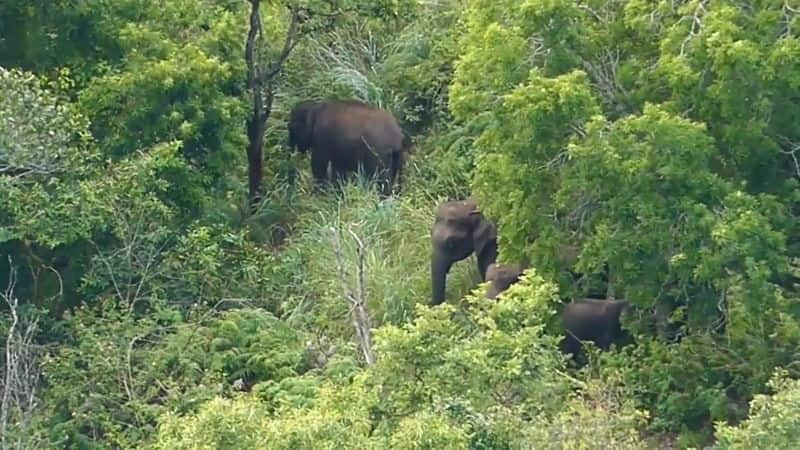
16 172
289 43
262 82
254 75
12 302
357 298
603 72
555 162
722 306
788 16
538 49
696 24
591 12
22 372
791 149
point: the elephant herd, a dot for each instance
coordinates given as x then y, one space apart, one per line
460 229
349 136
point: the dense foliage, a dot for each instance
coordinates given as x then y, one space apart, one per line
148 302
654 137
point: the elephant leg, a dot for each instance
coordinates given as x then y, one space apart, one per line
486 258
367 170
396 172
605 339
319 166
384 172
569 344
385 182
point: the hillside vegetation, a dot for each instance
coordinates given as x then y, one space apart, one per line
172 276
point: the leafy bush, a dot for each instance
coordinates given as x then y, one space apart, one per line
487 375
602 415
623 129
218 262
120 371
220 423
774 420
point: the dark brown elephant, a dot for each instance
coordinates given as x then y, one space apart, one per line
350 136
501 277
592 320
459 230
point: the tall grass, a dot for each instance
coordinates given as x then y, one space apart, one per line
348 62
396 237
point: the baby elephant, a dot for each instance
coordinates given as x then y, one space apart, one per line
592 320
501 277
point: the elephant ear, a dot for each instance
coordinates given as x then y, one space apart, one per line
614 308
485 233
623 305
302 125
311 118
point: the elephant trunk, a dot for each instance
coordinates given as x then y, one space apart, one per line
440 265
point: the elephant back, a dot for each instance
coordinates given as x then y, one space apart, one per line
351 123
456 210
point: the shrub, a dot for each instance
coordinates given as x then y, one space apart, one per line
118 371
774 420
483 376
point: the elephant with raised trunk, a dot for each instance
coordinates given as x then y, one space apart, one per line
459 230
593 320
350 136
501 277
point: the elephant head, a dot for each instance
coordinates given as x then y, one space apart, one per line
592 320
301 124
459 230
501 277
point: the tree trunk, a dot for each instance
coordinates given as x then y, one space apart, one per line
261 81
256 125
256 128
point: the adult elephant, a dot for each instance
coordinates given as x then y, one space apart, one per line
350 136
501 277
593 320
459 230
